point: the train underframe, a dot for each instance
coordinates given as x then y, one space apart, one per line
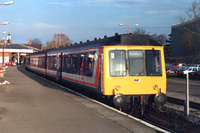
138 104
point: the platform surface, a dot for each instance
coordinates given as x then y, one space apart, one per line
30 104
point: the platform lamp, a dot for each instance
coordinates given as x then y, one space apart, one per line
5 32
128 26
5 23
7 3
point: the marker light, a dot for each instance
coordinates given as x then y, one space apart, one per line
155 87
118 87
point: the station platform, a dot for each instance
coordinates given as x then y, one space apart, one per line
31 104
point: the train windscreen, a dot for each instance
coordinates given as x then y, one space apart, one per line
136 63
140 63
118 63
153 63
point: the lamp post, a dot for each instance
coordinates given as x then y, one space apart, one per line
5 23
5 32
7 3
2 43
128 26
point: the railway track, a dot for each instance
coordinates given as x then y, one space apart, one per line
182 102
106 102
164 118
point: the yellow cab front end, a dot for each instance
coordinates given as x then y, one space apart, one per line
133 70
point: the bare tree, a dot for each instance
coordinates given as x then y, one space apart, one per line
58 38
36 41
140 31
191 45
62 38
192 13
49 45
161 38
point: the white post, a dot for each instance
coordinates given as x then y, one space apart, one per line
187 107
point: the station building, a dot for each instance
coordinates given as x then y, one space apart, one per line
11 52
185 43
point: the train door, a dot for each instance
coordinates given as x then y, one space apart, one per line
60 65
45 66
100 63
90 68
57 67
80 68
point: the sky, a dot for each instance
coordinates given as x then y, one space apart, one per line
81 20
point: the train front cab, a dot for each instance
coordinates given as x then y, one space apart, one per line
134 71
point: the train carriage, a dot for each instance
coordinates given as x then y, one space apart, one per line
82 67
128 69
36 62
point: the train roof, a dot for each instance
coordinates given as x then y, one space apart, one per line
123 39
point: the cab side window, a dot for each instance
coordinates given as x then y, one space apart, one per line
67 63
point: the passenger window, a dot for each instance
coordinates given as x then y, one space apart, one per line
80 61
74 64
53 63
48 62
81 64
67 63
40 62
74 61
34 61
89 64
43 62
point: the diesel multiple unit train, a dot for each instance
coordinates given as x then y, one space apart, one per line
127 69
